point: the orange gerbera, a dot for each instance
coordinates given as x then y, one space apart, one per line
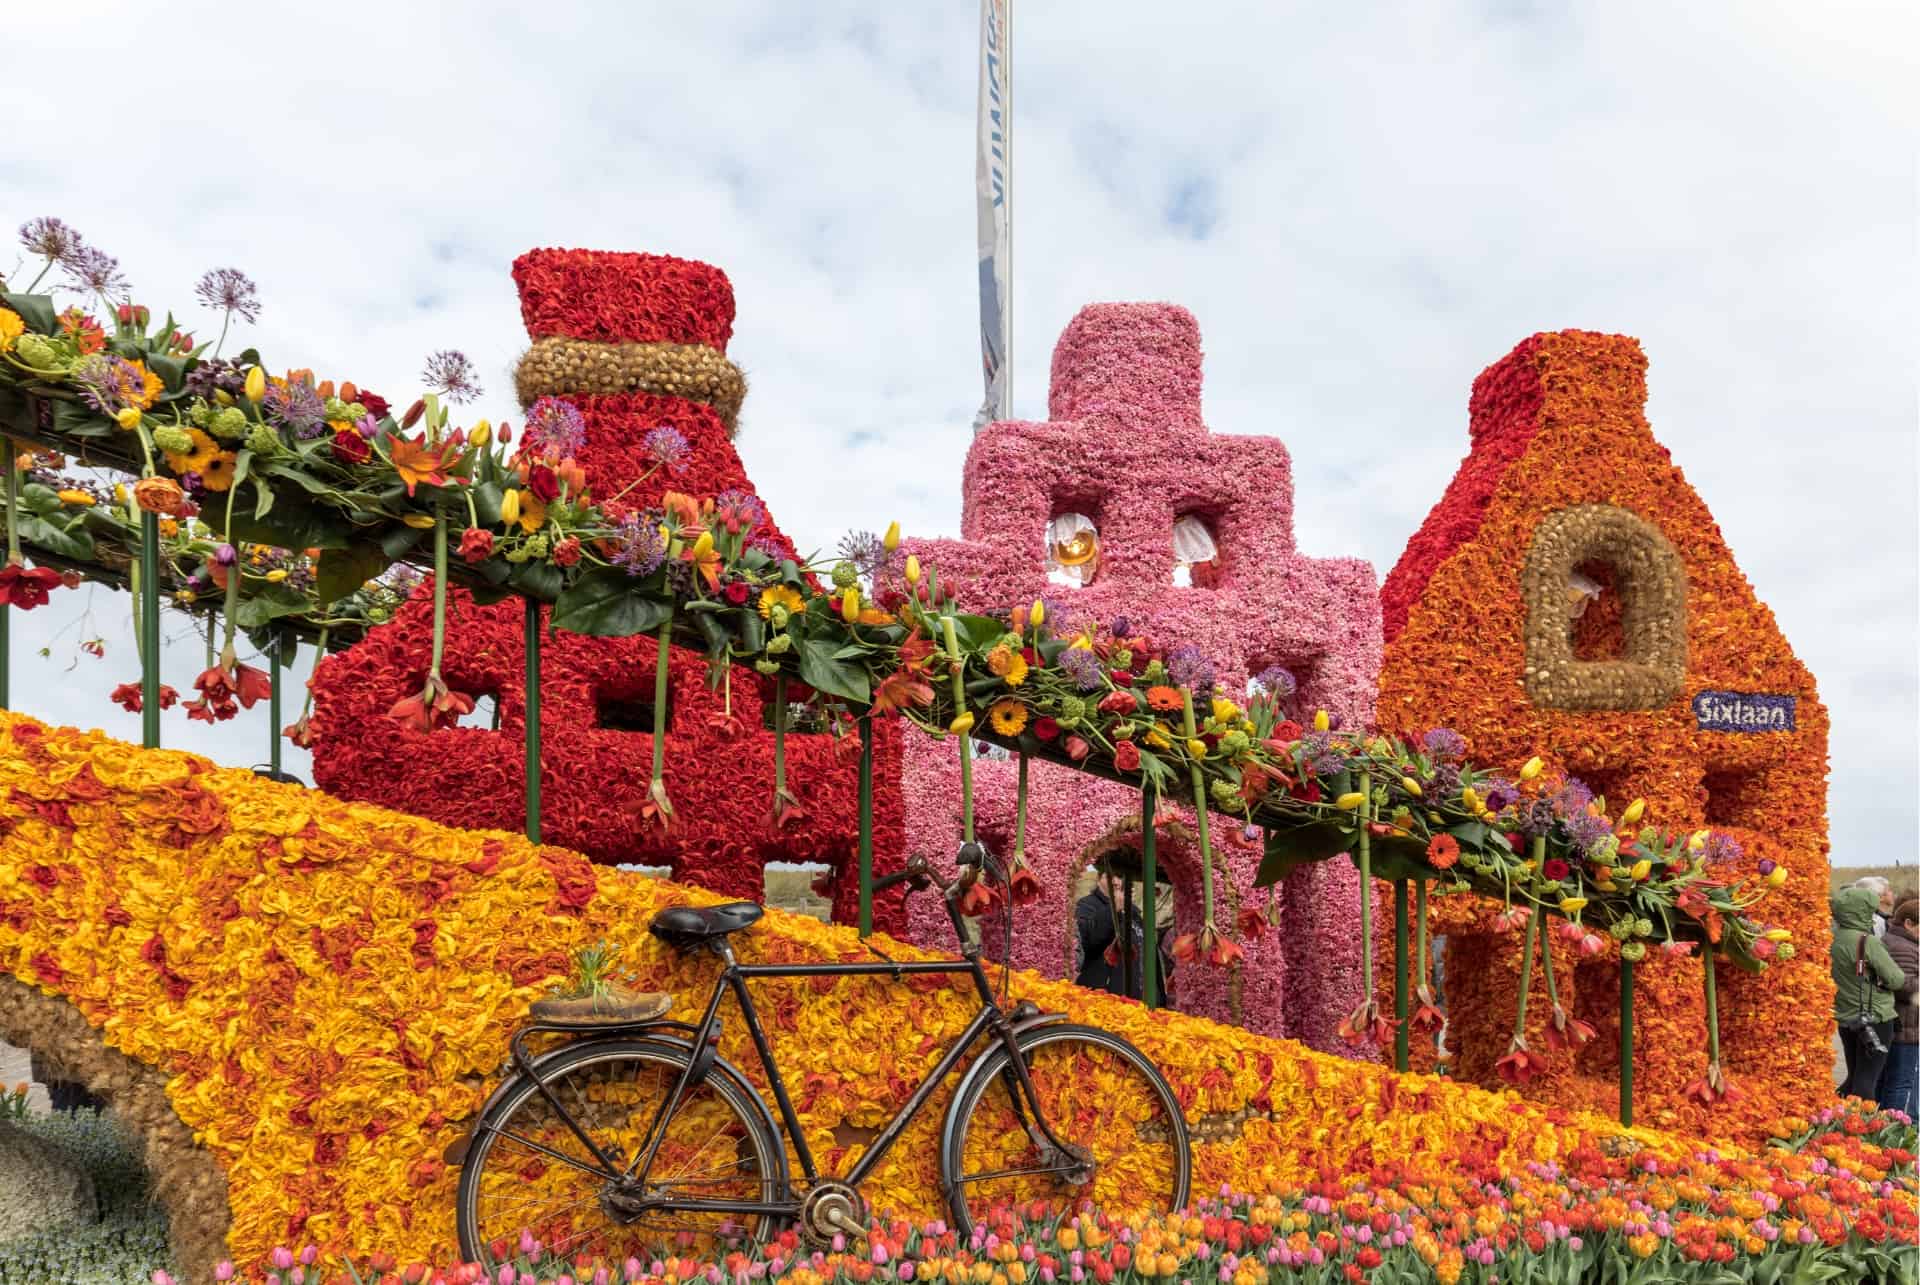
1166 699
217 473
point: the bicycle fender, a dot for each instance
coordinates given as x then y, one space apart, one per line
668 1032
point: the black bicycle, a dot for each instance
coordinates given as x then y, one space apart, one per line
639 1140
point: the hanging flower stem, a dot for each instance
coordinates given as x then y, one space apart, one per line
1420 917
657 786
1199 813
320 654
13 499
1366 886
1713 1010
955 666
1020 815
1546 962
439 604
1526 958
785 806
232 607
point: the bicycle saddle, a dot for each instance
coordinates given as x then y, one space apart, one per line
684 927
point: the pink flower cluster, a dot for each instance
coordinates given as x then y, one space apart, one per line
1126 447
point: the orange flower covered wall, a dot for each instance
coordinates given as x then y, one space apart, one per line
329 987
1559 436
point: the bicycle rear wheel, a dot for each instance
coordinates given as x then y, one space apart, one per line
1102 1097
527 1172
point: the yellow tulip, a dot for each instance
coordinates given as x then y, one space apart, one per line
276 575
1641 869
1350 802
1320 720
850 605
480 434
1572 905
1037 613
510 508
1698 840
1776 876
1635 810
418 521
256 385
1410 785
891 540
1470 798
1197 748
703 546
1779 934
913 569
119 492
129 418
1533 768
963 724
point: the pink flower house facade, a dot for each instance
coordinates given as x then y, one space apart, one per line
1126 447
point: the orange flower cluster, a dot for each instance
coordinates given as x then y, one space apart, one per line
1559 424
330 987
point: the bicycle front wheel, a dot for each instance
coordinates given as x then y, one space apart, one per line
527 1172
1101 1096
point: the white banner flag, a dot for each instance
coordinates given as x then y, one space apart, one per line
995 228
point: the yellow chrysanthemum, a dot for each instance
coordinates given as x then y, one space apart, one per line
196 460
11 328
217 473
780 595
1009 716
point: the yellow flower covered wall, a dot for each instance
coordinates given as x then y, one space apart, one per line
330 987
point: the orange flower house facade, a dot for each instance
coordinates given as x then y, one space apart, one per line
1571 597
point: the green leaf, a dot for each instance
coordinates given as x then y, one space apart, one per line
545 581
606 603
76 419
396 540
819 670
977 632
344 570
270 603
40 499
262 498
296 523
1473 835
1290 848
171 368
36 310
54 537
242 462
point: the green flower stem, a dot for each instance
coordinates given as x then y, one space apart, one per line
1526 960
233 585
1546 962
319 654
13 499
1199 812
1366 887
439 593
665 644
1020 815
1420 914
1713 1010
779 737
952 640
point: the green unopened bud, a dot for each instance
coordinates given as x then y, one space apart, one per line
518 553
845 575
1226 794
1620 929
779 644
356 412
1156 672
778 616
1122 659
1643 927
537 545
766 666
1784 950
173 439
229 423
263 440
200 414
1234 743
1072 709
378 615
37 351
1605 850
337 409
1633 952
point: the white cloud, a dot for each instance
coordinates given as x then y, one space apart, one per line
1392 195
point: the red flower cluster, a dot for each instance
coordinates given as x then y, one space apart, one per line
26 587
618 297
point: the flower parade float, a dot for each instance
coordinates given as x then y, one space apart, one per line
300 1000
1572 597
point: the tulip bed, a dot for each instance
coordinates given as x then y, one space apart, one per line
1835 1202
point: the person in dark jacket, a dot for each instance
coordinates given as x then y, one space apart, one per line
1864 981
1899 1085
1098 922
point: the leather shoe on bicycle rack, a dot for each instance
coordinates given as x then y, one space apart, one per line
615 1005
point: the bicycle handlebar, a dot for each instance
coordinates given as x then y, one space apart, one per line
920 875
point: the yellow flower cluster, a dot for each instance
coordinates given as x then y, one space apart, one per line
331 986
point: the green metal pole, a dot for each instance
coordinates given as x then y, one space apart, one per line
273 704
866 825
149 629
533 720
1626 1042
1149 903
1400 974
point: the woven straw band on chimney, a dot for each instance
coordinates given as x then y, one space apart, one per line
579 368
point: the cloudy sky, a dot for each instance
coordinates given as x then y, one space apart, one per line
1364 204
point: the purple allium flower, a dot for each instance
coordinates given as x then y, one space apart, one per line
51 239
212 375
771 547
1278 681
449 373
1186 667
230 290
739 512
1722 848
866 552
555 427
107 382
1323 757
1586 830
1573 797
1083 667
667 445
96 271
637 544
295 405
1445 744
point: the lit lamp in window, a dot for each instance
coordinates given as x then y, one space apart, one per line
1073 550
1582 592
1195 556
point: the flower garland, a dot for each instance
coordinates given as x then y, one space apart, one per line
1459 644
328 988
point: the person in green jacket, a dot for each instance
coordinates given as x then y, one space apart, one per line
1864 980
